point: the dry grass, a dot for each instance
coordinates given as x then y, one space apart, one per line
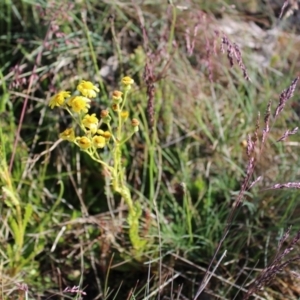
200 124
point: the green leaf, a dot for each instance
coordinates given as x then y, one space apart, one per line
10 253
15 231
27 216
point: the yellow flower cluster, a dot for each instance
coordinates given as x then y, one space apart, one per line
85 143
95 138
78 106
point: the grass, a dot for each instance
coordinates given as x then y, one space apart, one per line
63 231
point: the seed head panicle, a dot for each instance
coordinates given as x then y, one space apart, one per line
285 96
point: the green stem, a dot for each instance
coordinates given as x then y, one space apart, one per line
126 139
110 130
171 37
124 99
119 52
20 238
93 54
134 213
101 162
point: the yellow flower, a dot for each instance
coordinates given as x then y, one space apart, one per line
127 81
106 135
68 135
87 89
84 142
98 141
79 104
59 99
90 122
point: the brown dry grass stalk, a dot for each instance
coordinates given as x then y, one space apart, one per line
234 52
277 265
285 96
149 80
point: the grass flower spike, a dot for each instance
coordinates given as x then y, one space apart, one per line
59 99
87 89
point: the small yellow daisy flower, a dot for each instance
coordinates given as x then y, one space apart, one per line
68 135
98 141
90 122
84 142
59 99
127 81
87 89
79 104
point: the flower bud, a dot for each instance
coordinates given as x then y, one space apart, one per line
83 142
105 116
127 81
117 97
135 124
115 107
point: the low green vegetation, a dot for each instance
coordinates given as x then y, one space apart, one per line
149 150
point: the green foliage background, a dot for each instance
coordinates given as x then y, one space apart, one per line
185 171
